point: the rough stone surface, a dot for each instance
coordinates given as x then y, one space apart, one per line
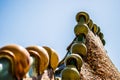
97 65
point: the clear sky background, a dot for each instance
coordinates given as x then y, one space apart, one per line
51 23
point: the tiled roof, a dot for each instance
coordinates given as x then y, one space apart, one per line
86 58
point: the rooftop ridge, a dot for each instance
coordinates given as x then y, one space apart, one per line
86 58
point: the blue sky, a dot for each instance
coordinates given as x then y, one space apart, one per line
51 23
